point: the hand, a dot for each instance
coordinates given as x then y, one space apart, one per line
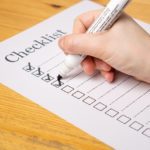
125 47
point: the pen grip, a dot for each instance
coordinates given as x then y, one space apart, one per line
109 15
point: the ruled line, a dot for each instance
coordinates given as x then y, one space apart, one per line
127 78
86 80
133 102
55 66
45 62
125 93
96 86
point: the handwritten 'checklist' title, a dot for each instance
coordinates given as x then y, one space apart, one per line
15 56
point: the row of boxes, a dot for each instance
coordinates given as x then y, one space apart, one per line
111 112
88 100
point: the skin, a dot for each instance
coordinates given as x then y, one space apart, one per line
125 47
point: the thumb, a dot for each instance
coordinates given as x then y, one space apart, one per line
86 44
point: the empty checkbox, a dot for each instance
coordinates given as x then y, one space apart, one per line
136 126
146 132
124 119
47 78
100 106
78 94
67 89
57 84
89 100
111 112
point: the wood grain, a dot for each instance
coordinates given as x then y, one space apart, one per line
23 124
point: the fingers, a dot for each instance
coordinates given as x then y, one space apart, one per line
106 70
91 64
88 65
87 44
82 22
101 65
109 76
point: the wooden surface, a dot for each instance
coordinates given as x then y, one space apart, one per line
23 124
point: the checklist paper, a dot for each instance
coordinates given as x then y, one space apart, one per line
117 113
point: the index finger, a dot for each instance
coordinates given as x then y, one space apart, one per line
83 21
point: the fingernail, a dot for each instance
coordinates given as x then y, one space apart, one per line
109 77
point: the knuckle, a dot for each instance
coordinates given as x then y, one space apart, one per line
69 44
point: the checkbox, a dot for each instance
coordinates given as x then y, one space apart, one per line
37 73
28 69
111 112
67 89
47 78
57 84
100 106
146 132
124 119
89 100
78 94
136 126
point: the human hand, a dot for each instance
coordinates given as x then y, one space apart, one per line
125 47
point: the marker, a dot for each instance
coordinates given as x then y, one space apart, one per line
105 20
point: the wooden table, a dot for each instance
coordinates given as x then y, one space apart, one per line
23 124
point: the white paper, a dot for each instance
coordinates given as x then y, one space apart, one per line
117 113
